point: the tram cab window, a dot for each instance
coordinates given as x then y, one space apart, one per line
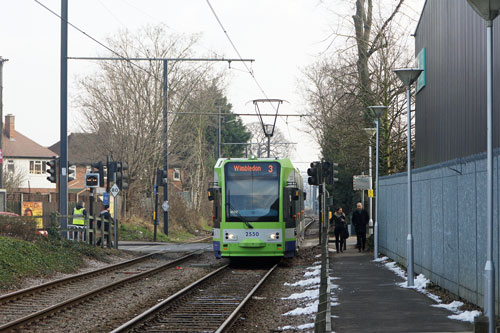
214 194
252 191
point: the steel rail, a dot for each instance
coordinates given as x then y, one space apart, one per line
63 281
153 310
234 315
79 299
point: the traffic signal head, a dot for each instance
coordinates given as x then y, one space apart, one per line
112 171
52 170
71 171
314 173
122 175
161 177
100 170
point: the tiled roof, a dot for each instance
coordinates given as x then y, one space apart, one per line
21 146
83 148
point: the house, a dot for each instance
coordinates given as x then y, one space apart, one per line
25 161
83 151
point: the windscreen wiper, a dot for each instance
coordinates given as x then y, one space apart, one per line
228 203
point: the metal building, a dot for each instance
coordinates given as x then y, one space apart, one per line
450 43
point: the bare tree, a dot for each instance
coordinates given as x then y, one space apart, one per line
12 180
340 86
122 103
279 147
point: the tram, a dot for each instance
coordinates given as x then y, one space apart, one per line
258 208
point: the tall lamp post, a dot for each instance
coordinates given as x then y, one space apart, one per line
371 132
378 111
489 10
408 76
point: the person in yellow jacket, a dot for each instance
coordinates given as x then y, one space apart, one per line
79 220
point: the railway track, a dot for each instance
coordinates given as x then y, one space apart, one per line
211 304
26 306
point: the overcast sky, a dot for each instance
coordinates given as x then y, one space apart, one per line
283 36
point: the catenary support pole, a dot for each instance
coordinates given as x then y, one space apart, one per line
115 222
268 146
165 143
2 60
63 157
370 174
489 269
409 239
219 129
375 226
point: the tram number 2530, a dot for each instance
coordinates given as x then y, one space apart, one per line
251 233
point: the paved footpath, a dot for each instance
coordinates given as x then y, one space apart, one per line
370 300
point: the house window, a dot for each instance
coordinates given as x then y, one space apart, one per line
10 166
38 167
177 174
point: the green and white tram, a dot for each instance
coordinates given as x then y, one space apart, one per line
258 208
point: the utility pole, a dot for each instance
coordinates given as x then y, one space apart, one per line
2 60
63 158
219 131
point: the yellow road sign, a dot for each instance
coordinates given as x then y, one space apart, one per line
370 193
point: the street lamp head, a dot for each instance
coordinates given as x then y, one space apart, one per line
268 129
370 131
408 75
378 110
487 9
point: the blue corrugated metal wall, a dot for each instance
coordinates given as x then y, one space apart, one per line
449 223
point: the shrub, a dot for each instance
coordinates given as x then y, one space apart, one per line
18 226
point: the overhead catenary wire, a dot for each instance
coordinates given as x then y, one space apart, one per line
97 41
236 50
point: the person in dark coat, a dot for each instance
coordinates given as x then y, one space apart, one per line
339 228
360 220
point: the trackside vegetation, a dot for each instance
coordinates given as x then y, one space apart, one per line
42 257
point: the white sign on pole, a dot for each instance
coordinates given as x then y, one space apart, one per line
114 190
165 206
362 182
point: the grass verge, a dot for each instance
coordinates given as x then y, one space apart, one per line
42 257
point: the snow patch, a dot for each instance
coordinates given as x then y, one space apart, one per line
466 316
398 271
307 310
309 294
300 327
381 259
313 273
302 283
453 306
419 284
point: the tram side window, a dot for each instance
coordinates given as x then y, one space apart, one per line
289 208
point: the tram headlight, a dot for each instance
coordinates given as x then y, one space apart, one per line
274 236
232 237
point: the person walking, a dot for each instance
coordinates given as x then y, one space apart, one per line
360 220
339 228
